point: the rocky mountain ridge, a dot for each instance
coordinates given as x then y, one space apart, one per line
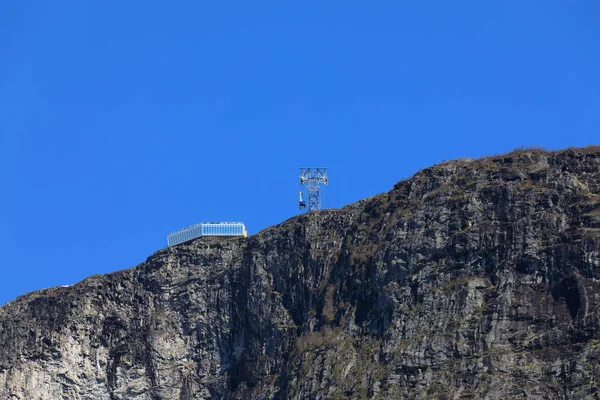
471 279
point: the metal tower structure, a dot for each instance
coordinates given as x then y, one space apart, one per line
310 181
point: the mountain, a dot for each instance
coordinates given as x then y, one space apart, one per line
471 279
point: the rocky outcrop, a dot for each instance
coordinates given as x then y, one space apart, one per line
472 279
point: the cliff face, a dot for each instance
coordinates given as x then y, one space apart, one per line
472 279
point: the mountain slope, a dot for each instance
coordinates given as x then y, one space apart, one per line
473 278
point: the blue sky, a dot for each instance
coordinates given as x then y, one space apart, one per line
121 121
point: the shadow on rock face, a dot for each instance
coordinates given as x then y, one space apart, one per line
568 291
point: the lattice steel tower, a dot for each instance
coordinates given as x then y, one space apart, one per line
310 181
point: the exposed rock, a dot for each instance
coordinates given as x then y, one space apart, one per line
472 279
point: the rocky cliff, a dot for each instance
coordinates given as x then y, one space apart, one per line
472 279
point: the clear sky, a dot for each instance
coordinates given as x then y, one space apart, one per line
121 121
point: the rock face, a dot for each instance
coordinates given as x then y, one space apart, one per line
472 279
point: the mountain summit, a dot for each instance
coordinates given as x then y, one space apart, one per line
472 279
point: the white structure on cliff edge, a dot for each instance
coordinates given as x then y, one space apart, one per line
207 229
